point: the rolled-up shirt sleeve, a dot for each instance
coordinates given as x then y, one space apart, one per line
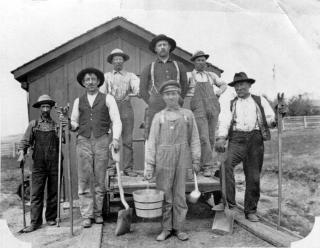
26 140
152 143
224 120
75 115
114 116
134 84
219 83
268 111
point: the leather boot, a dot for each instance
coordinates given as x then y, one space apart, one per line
163 235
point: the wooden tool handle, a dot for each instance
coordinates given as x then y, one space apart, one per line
195 181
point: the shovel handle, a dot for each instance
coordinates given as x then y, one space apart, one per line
195 181
22 193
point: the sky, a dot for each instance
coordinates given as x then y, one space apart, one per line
277 42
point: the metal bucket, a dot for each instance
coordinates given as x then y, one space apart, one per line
148 202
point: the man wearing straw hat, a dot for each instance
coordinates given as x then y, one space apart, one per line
173 146
42 136
92 115
204 103
245 122
123 85
164 68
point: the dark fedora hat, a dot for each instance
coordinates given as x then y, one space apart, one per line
44 99
198 54
160 37
241 77
117 52
170 85
95 71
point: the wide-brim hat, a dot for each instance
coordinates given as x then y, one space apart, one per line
198 54
160 37
170 85
95 71
117 52
44 99
241 77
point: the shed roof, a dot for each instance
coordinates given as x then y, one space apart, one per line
21 72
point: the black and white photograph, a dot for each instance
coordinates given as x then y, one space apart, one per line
160 123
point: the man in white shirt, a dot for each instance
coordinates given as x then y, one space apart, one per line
122 85
245 122
203 102
91 116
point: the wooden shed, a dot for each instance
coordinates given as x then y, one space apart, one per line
54 72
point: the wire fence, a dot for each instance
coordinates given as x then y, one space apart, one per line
301 122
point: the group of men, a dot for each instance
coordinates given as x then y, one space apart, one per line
180 124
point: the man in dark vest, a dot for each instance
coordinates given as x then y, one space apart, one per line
92 116
245 122
159 71
42 136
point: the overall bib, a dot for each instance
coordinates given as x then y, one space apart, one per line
173 157
45 169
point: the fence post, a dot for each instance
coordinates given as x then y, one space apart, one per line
305 121
13 150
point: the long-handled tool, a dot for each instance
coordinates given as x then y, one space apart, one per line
21 160
194 196
280 98
223 220
59 174
124 215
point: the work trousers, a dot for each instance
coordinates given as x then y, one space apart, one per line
248 148
42 171
127 119
206 126
92 160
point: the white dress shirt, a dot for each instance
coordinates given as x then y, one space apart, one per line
113 113
245 115
120 84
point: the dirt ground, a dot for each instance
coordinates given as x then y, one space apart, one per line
198 226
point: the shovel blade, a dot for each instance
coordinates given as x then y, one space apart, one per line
223 221
123 221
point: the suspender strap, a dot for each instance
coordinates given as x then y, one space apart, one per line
178 71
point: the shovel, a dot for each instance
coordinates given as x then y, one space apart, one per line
124 215
223 220
195 194
21 160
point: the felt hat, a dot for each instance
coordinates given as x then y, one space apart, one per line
117 52
170 85
241 77
44 99
95 71
160 37
198 54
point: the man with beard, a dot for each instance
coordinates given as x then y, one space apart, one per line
204 103
42 136
123 85
159 71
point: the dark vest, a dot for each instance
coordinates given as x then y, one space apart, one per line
93 119
265 131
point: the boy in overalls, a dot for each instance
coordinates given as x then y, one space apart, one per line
172 147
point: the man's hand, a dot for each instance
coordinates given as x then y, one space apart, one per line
220 145
115 145
63 119
148 174
21 155
196 168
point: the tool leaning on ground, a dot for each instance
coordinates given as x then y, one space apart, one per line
223 220
124 215
21 163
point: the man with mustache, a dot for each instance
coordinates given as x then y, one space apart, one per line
245 122
92 116
123 85
162 69
204 103
42 136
